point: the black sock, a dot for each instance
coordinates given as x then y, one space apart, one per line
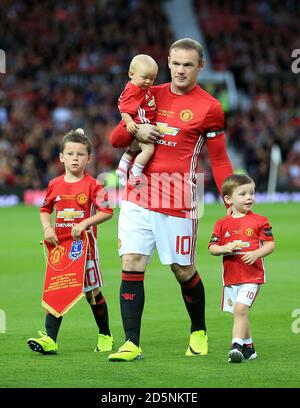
194 299
52 325
100 313
132 299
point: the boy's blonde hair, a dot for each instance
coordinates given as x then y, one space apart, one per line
76 136
142 59
234 181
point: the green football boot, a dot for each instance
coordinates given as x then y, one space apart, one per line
198 344
128 352
105 343
43 345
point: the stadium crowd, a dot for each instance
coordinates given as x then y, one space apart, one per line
254 40
67 63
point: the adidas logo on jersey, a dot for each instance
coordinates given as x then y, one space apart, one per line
227 235
57 199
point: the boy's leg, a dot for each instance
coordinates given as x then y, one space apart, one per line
92 283
46 344
126 162
249 352
238 299
246 295
239 330
100 312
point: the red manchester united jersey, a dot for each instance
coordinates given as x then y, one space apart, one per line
73 203
186 123
139 103
248 232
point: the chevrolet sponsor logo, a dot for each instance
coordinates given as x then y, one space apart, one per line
165 129
241 244
70 214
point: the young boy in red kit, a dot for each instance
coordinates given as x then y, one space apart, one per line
82 193
244 238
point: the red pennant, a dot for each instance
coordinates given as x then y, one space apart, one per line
64 280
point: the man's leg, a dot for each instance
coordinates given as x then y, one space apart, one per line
193 294
132 299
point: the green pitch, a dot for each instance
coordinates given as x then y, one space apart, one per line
165 330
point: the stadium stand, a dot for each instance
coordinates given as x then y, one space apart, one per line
67 63
254 40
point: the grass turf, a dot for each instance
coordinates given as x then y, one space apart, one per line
165 329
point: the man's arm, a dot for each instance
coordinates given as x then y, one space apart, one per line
219 161
121 138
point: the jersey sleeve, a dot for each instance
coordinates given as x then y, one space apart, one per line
130 100
48 202
216 237
100 198
119 137
214 120
219 160
265 231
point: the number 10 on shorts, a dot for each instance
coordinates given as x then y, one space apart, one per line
183 244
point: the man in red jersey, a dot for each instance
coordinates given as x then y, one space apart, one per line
162 215
244 239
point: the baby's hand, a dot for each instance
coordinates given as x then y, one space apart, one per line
132 127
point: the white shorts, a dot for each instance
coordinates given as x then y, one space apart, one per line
245 293
93 277
142 230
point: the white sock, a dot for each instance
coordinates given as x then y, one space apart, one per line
137 169
248 341
125 164
238 340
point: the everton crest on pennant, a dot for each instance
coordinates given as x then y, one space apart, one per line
76 250
64 280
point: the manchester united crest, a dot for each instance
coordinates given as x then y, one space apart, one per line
56 255
186 115
82 198
249 232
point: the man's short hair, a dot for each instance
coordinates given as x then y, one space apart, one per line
234 181
188 44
